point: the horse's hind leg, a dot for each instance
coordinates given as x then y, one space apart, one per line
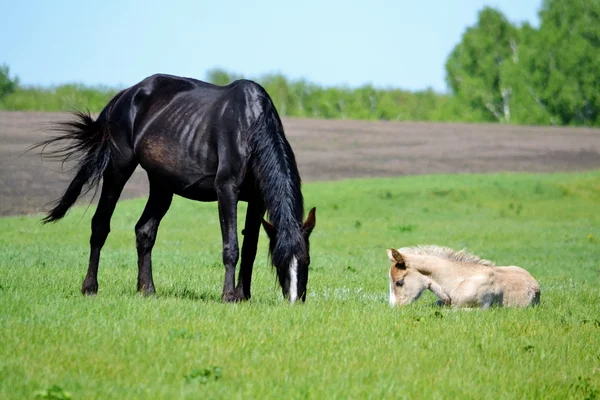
113 182
146 230
251 232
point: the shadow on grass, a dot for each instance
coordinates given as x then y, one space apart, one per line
189 294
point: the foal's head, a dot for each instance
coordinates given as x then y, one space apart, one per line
406 283
293 274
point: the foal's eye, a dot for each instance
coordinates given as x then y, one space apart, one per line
400 282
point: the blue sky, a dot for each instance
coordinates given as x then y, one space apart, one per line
401 43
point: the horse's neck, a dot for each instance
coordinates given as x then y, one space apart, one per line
431 266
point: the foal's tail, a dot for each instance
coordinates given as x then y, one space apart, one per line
89 142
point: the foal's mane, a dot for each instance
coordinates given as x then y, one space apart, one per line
461 256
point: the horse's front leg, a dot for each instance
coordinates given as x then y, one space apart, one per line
251 232
227 197
444 298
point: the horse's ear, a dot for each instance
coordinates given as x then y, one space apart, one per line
395 257
269 228
310 222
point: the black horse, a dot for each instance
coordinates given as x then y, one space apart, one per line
203 142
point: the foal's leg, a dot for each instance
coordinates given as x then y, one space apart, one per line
146 230
227 197
112 186
251 232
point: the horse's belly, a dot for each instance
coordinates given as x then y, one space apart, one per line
193 185
172 169
197 193
186 182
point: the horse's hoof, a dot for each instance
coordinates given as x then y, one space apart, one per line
241 295
147 292
89 289
231 297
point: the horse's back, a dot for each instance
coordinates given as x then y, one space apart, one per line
155 92
519 288
167 102
183 130
162 87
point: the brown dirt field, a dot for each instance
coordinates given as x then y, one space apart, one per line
326 150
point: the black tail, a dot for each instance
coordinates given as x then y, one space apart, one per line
89 142
275 167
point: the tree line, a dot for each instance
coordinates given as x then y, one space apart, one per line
498 72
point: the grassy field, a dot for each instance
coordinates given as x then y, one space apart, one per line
345 342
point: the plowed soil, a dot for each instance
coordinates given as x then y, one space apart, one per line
325 150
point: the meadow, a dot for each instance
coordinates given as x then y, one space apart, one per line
345 341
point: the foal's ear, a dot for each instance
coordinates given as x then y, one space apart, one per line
269 228
310 222
395 257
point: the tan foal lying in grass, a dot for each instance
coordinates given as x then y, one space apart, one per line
458 278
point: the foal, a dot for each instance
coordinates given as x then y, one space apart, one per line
458 278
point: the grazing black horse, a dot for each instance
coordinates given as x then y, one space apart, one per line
203 142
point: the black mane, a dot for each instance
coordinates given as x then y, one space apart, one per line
277 172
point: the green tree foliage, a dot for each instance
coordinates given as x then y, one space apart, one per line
60 98
221 77
568 61
519 74
498 72
7 85
299 98
475 68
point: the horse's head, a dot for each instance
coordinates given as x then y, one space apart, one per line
406 283
293 275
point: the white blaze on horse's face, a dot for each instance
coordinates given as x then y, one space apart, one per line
406 285
293 277
293 289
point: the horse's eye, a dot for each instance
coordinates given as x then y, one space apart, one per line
400 282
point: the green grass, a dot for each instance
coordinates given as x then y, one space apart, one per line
345 342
